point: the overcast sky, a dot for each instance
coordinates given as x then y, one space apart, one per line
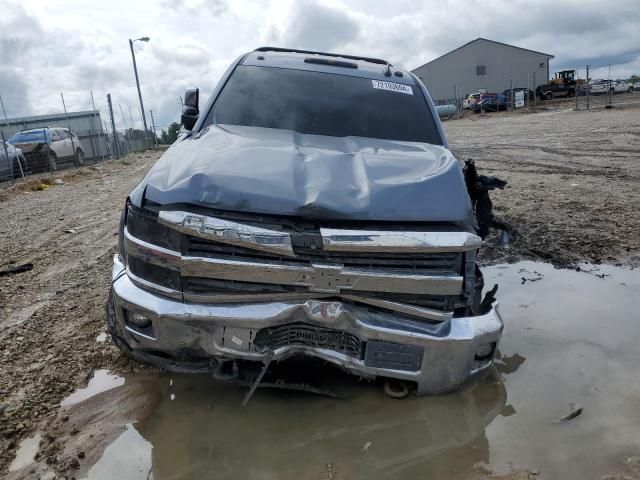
79 46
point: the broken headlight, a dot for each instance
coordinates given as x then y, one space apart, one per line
154 274
143 224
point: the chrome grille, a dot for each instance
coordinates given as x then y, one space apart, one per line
301 334
419 273
445 262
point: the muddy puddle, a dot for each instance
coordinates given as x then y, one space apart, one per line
101 381
570 342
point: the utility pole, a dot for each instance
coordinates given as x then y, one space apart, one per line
153 126
135 70
113 127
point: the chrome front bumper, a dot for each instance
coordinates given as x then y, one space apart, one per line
225 332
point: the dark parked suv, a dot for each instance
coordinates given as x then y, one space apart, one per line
312 208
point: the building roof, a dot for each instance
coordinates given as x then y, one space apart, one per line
486 40
51 116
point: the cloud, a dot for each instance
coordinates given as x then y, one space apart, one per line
81 46
313 26
14 91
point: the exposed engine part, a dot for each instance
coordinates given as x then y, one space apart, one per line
478 187
258 379
487 301
299 387
221 370
396 388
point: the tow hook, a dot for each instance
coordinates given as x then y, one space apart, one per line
396 388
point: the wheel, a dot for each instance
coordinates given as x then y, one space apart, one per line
53 161
548 96
571 93
79 159
630 90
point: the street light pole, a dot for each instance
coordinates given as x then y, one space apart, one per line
135 70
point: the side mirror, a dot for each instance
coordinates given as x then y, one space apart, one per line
190 110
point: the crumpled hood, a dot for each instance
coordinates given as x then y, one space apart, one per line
259 170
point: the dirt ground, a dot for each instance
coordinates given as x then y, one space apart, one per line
572 194
572 180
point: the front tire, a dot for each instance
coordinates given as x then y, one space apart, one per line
630 90
548 96
79 158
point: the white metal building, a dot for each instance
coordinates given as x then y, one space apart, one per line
486 64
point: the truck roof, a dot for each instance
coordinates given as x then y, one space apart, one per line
341 64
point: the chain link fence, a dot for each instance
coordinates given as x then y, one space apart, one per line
48 143
581 93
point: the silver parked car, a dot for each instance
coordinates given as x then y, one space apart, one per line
312 208
11 159
45 148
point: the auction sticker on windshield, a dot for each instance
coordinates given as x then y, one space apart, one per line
393 87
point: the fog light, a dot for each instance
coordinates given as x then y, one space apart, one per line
139 320
484 351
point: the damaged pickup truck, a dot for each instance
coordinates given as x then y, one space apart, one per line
312 208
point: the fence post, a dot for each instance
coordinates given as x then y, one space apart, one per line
73 147
513 100
124 120
6 152
4 112
104 136
113 127
153 126
535 97
587 88
577 86
532 89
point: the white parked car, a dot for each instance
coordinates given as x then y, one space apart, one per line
604 86
46 147
622 86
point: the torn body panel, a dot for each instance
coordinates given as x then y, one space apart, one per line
438 356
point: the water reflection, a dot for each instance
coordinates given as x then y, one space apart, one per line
570 336
291 436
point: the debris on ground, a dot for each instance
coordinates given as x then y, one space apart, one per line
576 410
25 267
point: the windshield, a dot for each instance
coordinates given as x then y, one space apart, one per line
324 104
32 136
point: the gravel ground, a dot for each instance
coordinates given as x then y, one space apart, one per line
572 193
